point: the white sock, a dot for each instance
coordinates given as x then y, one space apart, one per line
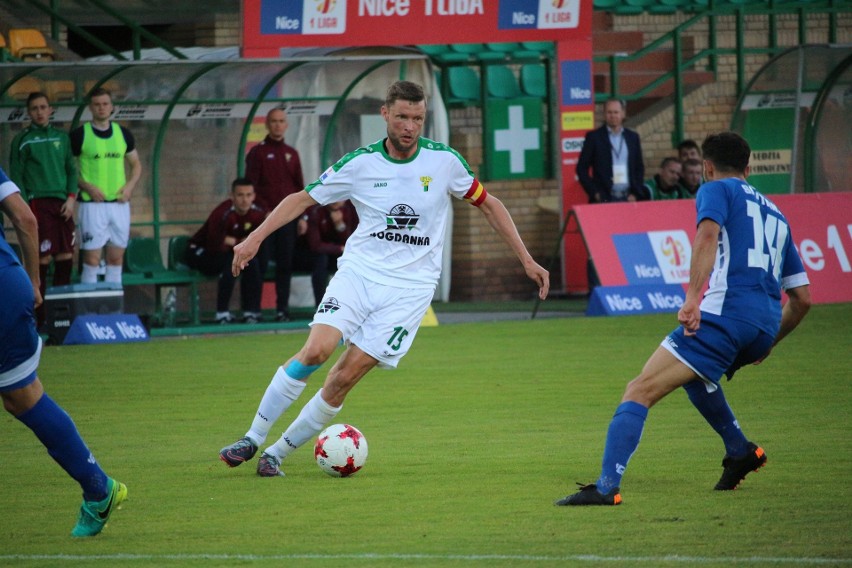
282 391
89 275
316 414
113 274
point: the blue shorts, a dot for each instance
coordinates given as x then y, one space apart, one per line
720 347
20 344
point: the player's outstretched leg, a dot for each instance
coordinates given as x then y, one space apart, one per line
736 468
310 422
57 432
622 439
94 515
286 386
589 495
240 451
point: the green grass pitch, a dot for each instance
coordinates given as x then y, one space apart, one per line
471 440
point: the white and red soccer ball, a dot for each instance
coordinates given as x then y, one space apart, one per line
340 450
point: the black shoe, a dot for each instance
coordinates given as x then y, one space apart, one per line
282 317
251 317
589 495
240 451
737 468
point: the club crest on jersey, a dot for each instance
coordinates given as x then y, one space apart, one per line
328 306
425 180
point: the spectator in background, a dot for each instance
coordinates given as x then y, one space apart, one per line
688 150
691 177
664 185
104 149
42 165
275 170
327 228
211 251
613 154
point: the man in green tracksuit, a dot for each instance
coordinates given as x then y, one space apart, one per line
41 164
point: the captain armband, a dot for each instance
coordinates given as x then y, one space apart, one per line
476 194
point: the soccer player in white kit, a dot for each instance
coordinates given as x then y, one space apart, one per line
401 188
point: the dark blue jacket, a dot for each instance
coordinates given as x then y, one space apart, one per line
597 156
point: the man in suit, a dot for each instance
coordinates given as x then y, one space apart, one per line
610 167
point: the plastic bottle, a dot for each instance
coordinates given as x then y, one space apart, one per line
170 308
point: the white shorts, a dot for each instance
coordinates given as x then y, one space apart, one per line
381 320
104 223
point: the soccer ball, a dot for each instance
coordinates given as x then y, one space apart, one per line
341 450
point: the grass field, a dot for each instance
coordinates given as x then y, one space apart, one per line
471 441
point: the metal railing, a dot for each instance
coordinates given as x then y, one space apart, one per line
137 32
772 9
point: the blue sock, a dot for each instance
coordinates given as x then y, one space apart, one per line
55 429
622 439
714 408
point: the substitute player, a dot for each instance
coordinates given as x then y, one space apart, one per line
401 187
103 147
745 240
20 388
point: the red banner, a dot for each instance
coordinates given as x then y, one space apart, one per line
650 242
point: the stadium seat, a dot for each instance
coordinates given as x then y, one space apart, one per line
469 48
177 252
545 47
534 80
60 90
498 51
5 55
143 265
22 88
28 44
501 82
434 51
143 257
463 85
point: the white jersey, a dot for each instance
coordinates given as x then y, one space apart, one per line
403 207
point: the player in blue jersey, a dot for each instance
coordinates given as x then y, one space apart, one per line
21 390
744 246
402 188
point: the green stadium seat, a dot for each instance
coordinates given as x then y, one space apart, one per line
498 51
534 80
468 48
463 85
143 257
434 50
177 253
501 82
143 265
544 47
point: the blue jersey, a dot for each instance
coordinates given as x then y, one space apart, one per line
7 188
756 257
